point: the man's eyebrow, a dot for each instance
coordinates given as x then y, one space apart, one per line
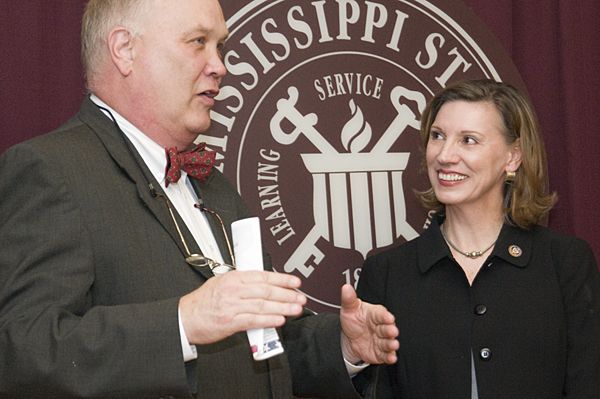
204 31
196 30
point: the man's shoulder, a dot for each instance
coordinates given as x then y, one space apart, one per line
75 145
74 133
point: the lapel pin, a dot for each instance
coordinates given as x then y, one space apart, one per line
515 251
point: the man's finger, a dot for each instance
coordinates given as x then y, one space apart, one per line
277 279
265 307
380 315
350 301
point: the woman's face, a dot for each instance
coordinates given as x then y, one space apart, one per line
468 157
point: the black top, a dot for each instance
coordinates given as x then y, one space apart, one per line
531 317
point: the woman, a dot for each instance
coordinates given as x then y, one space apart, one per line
488 303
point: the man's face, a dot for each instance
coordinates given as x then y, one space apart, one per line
178 68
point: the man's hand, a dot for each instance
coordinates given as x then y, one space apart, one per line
239 301
368 331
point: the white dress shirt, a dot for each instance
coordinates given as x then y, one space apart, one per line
183 197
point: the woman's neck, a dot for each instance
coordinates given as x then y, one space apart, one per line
471 237
472 230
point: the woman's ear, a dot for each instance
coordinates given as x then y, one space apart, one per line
516 156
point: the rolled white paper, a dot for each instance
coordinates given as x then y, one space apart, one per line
247 249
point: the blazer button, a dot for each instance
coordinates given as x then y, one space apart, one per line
480 309
485 354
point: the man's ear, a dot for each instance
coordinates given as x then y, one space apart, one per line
121 50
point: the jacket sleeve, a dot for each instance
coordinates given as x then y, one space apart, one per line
312 343
376 380
53 342
580 284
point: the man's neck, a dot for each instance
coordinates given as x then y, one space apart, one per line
165 141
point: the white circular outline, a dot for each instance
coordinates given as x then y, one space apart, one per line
445 17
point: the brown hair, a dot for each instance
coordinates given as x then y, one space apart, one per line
99 18
526 199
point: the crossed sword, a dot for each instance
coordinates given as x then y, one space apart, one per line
305 124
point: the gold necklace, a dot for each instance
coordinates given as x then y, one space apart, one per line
472 255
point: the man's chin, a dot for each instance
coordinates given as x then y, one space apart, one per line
199 130
200 124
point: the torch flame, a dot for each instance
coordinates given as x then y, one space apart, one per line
356 134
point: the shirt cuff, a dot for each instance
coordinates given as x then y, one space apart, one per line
189 351
354 369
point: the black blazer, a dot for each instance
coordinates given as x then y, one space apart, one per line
532 320
91 272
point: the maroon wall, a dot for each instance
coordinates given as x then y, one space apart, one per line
554 45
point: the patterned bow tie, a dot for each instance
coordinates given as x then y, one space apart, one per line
196 162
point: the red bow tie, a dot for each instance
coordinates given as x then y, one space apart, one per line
196 162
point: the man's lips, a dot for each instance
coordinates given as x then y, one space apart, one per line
210 93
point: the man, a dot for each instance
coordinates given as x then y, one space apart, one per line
96 297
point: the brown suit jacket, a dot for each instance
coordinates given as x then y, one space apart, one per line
91 272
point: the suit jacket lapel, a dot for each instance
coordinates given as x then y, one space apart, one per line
126 156
223 206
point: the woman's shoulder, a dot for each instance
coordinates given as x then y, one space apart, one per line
557 239
406 257
400 250
564 249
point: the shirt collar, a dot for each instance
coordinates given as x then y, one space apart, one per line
513 245
151 152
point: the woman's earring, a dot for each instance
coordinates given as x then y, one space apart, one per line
510 176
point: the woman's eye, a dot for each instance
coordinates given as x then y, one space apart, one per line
435 135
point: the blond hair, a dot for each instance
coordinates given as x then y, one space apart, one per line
99 18
526 199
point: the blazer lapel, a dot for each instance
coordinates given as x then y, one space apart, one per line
223 206
125 155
